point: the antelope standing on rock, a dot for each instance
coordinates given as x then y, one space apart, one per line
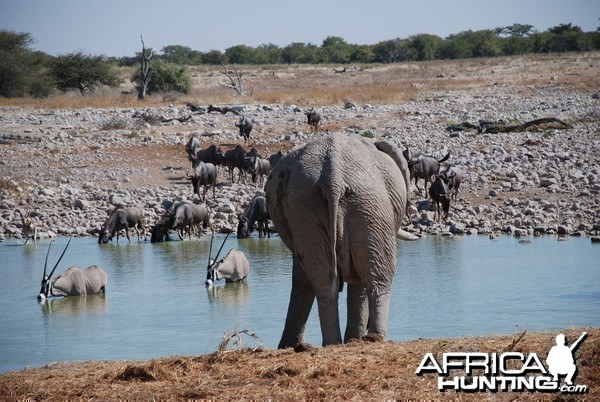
28 228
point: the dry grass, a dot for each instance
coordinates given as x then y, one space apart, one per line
359 370
319 85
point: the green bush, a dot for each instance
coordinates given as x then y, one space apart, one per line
367 134
166 77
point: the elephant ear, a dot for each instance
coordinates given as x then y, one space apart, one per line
394 152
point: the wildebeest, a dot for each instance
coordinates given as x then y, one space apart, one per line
258 168
73 282
313 118
235 158
424 167
164 223
453 177
440 194
212 154
256 216
160 231
189 216
192 147
28 226
233 268
245 125
122 218
337 203
204 174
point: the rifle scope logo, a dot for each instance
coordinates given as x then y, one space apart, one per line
510 371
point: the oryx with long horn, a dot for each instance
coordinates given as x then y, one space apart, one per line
73 282
28 227
233 268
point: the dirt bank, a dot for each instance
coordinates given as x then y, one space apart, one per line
360 370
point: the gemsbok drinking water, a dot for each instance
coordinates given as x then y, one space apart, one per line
233 268
73 282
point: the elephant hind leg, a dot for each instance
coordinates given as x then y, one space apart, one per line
301 301
329 319
358 312
379 304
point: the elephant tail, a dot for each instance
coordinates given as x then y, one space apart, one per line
333 203
333 188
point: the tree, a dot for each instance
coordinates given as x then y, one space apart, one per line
82 72
166 77
240 54
145 70
515 39
267 54
214 57
425 46
566 38
521 30
336 50
390 51
181 55
484 43
301 53
22 70
362 54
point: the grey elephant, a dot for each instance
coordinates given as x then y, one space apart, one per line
337 203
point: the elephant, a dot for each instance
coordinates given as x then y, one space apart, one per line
337 203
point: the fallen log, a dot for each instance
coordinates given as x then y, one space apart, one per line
223 110
491 127
179 119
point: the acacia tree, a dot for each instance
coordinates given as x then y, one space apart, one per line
21 69
82 72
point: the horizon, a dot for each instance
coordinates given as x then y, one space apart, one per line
115 29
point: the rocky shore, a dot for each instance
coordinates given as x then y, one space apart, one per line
68 167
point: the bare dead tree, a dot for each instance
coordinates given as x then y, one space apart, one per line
236 84
145 70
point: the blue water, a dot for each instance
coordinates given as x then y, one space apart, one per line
157 305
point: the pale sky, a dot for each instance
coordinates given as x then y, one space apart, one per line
113 27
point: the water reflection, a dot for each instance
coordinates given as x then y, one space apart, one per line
231 294
123 256
75 305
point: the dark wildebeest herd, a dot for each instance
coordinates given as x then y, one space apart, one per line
337 203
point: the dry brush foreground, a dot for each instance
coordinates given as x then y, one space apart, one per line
359 370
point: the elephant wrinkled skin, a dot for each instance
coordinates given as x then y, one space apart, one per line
337 203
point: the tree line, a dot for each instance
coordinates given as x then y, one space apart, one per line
503 41
25 72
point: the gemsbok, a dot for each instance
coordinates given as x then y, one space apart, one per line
73 282
28 228
234 267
